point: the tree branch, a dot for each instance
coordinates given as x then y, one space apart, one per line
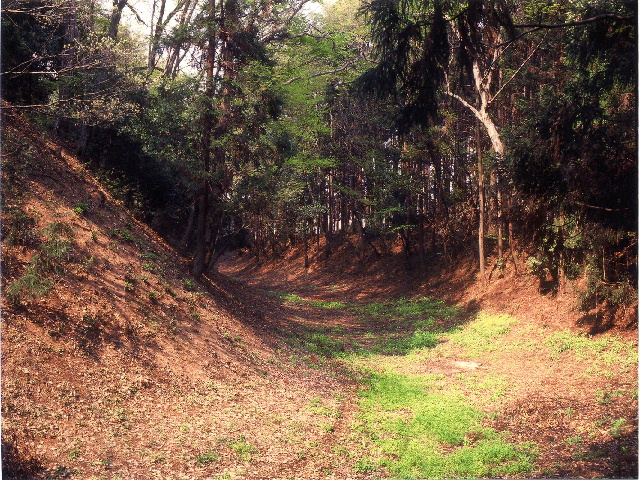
327 72
517 71
604 16
285 25
601 208
136 14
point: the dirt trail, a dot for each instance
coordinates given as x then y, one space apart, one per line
557 402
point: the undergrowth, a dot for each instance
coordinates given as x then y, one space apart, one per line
425 308
420 425
478 336
46 265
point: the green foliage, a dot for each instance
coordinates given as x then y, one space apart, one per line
29 37
364 466
401 345
188 284
18 227
579 216
81 208
424 307
597 289
31 285
296 299
243 449
617 427
323 344
122 235
608 350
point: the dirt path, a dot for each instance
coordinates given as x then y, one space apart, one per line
580 412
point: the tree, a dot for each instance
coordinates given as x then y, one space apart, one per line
575 156
459 50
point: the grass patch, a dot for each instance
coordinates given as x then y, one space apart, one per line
207 458
45 265
244 450
410 427
424 307
123 235
428 425
298 300
423 313
401 345
323 344
609 350
19 228
480 335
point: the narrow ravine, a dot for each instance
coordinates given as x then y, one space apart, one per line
448 391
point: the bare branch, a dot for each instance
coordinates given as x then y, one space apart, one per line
597 18
327 72
601 208
285 25
136 14
518 70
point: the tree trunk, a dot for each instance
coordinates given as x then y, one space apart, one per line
199 259
116 15
481 205
173 61
499 217
201 230
511 248
184 242
306 249
156 32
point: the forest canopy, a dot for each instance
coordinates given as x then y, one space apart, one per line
492 127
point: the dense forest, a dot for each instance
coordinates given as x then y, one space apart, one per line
487 126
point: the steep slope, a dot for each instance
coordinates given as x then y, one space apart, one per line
114 361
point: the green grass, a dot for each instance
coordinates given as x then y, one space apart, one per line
424 425
45 266
607 350
243 449
296 299
424 307
206 458
479 336
18 227
323 344
403 344
421 425
410 427
427 308
421 332
81 208
122 235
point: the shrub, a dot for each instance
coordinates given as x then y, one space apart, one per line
81 208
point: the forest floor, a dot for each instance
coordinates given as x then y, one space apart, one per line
522 359
117 364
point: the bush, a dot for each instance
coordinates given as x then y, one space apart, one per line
48 262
